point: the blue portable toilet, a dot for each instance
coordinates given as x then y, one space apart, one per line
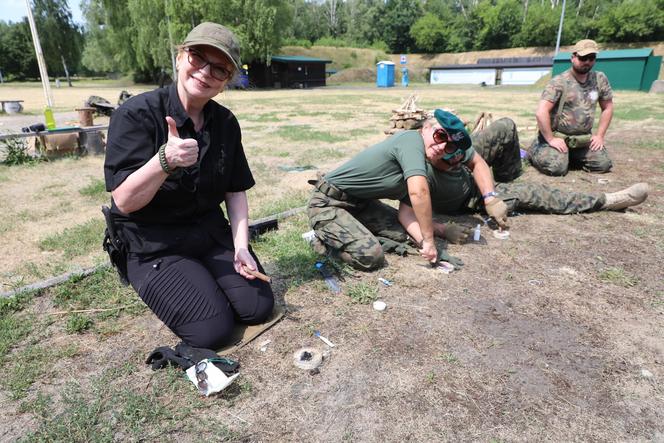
385 74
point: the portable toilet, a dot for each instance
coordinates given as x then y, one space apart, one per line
385 74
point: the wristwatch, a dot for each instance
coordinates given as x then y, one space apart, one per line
490 194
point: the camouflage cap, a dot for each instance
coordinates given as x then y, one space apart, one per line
217 36
454 128
585 47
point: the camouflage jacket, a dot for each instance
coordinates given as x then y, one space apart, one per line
581 100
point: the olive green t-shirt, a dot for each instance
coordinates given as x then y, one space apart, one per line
450 189
381 170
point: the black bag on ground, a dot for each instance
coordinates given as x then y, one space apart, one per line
114 247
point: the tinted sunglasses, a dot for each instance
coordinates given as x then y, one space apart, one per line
451 150
196 60
585 58
201 376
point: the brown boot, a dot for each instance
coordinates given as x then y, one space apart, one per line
631 196
318 246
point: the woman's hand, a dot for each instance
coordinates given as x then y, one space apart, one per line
180 153
243 257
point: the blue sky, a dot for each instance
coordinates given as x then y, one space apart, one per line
15 10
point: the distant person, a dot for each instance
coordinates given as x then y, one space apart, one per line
565 117
173 156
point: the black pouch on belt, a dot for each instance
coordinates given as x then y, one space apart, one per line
114 247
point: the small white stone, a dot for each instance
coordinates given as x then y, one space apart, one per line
379 305
646 373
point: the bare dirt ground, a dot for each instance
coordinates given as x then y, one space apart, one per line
556 334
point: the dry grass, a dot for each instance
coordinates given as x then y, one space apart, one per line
541 337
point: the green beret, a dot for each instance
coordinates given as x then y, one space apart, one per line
454 128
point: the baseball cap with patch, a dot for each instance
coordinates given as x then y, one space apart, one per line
217 36
585 47
454 128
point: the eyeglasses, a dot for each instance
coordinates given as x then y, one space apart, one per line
197 61
451 150
201 376
440 136
586 58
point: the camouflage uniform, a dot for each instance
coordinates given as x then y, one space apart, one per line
499 146
352 222
576 118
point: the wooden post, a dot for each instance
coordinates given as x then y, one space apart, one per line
85 116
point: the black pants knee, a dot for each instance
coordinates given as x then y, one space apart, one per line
200 298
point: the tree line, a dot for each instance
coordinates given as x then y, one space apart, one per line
136 36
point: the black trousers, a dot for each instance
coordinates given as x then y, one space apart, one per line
198 294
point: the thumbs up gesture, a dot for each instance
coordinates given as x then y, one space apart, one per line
180 152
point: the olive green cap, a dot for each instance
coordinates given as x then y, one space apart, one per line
217 36
585 47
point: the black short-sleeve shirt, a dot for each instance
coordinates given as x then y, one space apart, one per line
190 198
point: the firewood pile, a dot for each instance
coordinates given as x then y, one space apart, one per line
407 116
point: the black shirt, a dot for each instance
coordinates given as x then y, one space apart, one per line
190 198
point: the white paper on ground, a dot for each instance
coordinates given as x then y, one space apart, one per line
216 379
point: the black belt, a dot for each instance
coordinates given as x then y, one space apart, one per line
330 190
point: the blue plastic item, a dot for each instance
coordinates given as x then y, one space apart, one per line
329 278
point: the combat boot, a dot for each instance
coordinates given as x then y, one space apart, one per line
631 196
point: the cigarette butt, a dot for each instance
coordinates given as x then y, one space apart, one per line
326 341
259 275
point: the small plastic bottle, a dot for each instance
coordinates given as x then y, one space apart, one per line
330 279
477 233
48 116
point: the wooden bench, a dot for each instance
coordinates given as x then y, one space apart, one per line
11 106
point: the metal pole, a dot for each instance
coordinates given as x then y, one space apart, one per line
170 41
560 28
40 57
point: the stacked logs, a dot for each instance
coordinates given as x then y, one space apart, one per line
407 116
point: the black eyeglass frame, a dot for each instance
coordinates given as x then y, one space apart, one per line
197 60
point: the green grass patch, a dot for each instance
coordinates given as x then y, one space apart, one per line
316 155
636 113
100 290
619 277
96 189
362 293
286 249
293 200
79 240
269 117
306 133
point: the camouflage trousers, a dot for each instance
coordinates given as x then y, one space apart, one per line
536 197
358 231
499 147
548 160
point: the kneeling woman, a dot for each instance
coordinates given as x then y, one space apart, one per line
173 156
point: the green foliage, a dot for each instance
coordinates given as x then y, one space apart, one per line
428 32
17 56
633 21
16 152
362 293
78 323
61 39
397 19
78 240
498 23
96 189
619 277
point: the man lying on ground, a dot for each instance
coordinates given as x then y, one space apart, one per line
460 181
456 185
342 206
